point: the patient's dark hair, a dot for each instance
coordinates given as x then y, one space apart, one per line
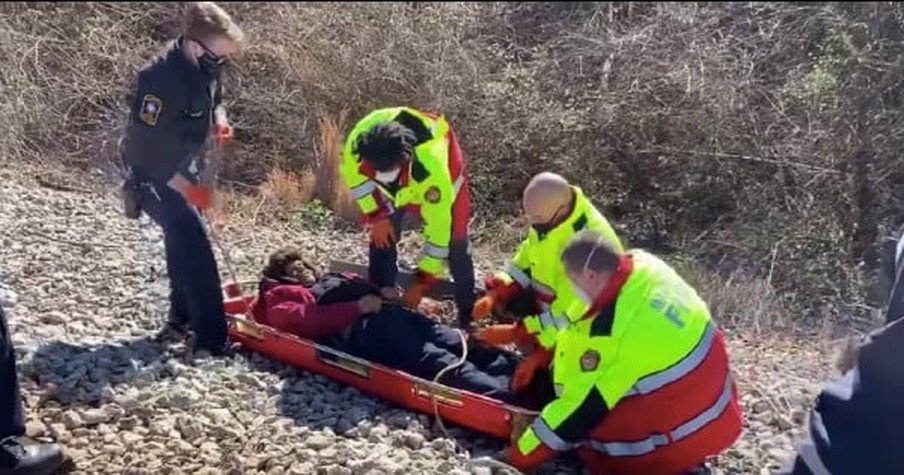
385 145
281 262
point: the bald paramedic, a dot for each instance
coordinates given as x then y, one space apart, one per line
397 159
642 376
556 210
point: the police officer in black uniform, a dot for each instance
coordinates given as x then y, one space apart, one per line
176 113
17 457
857 424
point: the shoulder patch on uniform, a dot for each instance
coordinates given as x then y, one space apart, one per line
151 106
432 195
590 360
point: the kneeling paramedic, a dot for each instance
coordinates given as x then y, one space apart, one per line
346 312
397 158
177 104
556 211
642 377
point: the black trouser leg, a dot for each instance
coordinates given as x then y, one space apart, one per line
178 313
405 340
467 377
194 277
203 289
461 266
12 419
156 205
383 266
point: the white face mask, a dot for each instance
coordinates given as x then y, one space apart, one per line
388 177
579 292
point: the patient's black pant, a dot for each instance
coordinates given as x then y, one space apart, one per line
413 343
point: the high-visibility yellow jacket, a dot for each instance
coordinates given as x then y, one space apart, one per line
427 182
657 332
536 265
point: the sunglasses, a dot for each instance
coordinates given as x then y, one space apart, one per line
219 60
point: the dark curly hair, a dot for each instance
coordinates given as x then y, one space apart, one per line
385 145
282 265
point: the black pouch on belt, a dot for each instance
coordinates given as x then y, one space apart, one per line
131 206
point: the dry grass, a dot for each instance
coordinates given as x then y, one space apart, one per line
765 132
287 190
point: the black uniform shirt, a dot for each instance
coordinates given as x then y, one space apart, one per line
171 116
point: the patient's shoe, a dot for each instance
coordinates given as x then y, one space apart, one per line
703 469
18 458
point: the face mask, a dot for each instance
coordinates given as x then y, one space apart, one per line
388 177
579 292
211 64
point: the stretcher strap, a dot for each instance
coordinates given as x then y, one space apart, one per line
487 462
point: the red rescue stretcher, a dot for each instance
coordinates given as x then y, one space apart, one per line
473 411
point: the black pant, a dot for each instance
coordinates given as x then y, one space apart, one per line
195 290
12 421
417 345
383 270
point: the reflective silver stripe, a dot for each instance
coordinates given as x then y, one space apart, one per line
558 322
363 189
641 447
549 437
560 388
456 187
810 456
438 252
650 383
519 275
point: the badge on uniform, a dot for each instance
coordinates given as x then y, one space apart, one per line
151 106
432 195
590 360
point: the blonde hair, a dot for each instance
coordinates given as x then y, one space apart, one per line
204 21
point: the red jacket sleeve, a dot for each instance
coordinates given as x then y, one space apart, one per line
293 310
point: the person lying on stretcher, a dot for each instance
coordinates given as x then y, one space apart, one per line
346 312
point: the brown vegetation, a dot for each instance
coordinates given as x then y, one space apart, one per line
762 137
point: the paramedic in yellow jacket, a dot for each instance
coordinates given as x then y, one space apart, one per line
556 211
397 158
641 374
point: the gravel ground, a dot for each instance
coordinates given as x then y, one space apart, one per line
86 291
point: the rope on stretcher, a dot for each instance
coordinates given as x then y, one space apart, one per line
484 461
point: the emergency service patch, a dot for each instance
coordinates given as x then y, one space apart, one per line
151 106
432 195
590 360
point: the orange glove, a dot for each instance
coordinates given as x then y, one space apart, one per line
497 335
382 234
222 133
414 294
524 373
200 196
483 307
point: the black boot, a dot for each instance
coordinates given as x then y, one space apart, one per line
17 458
176 328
